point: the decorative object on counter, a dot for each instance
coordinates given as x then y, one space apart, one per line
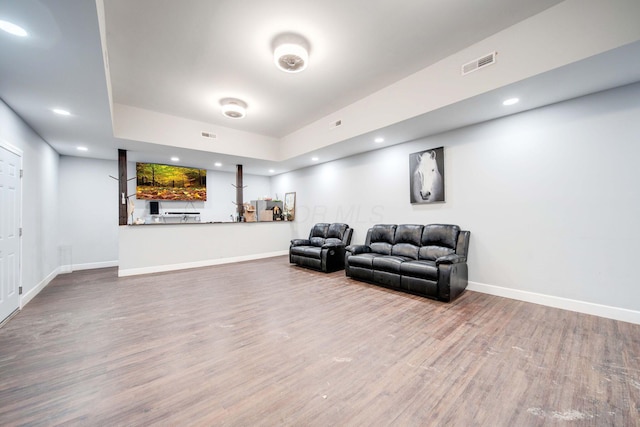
289 206
249 212
429 260
324 249
427 176
264 209
277 213
131 207
265 215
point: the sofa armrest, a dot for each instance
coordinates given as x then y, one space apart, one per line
358 249
300 242
333 245
451 259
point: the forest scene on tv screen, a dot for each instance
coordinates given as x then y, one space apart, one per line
165 182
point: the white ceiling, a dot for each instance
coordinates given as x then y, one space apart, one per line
181 57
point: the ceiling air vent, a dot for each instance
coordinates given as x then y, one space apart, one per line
208 135
481 62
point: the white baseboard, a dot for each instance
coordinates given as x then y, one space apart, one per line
25 298
196 264
606 311
91 266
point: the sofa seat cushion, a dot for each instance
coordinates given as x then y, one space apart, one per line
297 250
307 251
313 252
389 263
421 268
363 260
317 241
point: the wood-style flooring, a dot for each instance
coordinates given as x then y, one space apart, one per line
265 343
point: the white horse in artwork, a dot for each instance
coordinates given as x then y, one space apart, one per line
427 179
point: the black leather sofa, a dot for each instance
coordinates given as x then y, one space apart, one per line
324 249
429 260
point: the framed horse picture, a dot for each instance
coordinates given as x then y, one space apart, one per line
426 179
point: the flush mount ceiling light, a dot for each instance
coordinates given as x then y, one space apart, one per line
233 108
12 28
511 101
291 53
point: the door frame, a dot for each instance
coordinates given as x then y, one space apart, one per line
18 152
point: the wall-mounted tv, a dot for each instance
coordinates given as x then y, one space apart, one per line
166 182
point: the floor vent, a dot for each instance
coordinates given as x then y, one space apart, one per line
208 135
476 64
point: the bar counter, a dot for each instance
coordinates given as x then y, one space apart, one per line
157 246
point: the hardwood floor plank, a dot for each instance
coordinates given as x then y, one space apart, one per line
267 343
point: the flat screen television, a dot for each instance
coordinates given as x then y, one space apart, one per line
166 182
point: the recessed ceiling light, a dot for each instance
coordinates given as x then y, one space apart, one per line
82 149
61 112
378 140
271 171
217 164
510 101
12 28
175 159
315 159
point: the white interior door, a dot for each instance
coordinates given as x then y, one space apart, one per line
10 194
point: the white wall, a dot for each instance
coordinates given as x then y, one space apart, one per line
39 202
88 213
550 197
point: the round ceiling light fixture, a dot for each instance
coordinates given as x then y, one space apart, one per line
12 28
291 53
233 108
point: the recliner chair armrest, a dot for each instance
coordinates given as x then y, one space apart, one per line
451 259
332 245
358 249
300 242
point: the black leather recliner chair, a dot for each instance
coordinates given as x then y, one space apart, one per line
324 249
429 260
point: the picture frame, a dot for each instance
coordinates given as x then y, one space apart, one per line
426 176
289 210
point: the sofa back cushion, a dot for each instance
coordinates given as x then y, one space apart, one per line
319 230
407 240
438 240
382 238
318 234
337 230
